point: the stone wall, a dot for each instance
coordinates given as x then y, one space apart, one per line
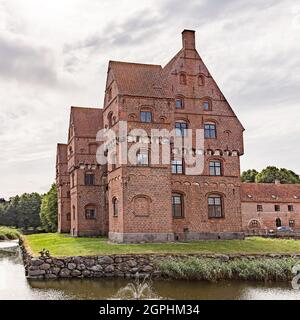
126 266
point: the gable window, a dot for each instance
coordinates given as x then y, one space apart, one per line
142 158
115 207
177 205
89 179
146 116
180 128
179 103
215 208
90 213
201 80
206 106
277 207
215 168
290 208
177 166
182 78
259 208
291 223
210 131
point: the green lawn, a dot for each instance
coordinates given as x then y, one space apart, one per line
65 245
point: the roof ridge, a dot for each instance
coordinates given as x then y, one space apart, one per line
136 63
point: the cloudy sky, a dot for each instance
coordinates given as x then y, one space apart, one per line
54 54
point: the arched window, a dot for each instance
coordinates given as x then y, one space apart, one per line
215 206
278 222
210 131
201 80
182 78
180 128
254 224
146 116
207 105
179 103
142 157
90 212
115 207
177 205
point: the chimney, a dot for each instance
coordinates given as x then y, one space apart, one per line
188 39
277 181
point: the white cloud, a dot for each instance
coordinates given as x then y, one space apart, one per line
54 54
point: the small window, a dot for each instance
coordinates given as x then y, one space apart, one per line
115 207
215 168
215 208
146 116
180 128
201 80
110 119
254 224
259 208
177 166
142 158
206 106
68 216
74 213
89 179
290 208
177 205
90 214
179 103
291 223
182 78
277 207
210 131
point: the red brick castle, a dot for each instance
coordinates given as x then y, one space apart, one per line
145 202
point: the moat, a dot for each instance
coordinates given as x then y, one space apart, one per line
14 285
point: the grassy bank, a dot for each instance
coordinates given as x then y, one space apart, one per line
259 269
7 233
65 245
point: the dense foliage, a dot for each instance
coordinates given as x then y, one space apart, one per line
48 213
7 233
30 211
21 211
270 175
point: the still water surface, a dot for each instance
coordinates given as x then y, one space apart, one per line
13 285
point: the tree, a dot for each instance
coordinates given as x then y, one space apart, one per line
270 174
48 214
249 175
29 210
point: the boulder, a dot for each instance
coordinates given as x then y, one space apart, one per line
33 273
71 266
45 266
76 273
105 260
96 268
109 269
81 266
36 262
64 273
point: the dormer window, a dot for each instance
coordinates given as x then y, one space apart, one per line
179 103
182 78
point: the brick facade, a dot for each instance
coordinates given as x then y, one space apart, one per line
134 203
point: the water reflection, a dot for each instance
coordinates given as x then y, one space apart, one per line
13 285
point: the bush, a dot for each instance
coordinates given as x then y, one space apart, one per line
212 269
9 233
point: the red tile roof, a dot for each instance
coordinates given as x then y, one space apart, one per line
139 79
270 192
86 121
